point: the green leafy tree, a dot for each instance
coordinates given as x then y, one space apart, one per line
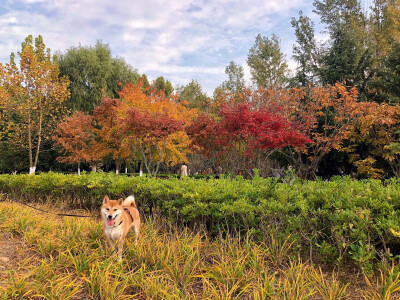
93 73
121 74
145 81
192 93
235 82
305 51
160 84
388 82
267 63
12 158
384 42
346 57
335 13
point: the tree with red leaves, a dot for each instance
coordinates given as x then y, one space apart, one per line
241 133
76 137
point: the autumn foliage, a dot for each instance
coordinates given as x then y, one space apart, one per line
238 130
35 99
107 129
377 130
326 115
141 125
76 138
153 125
241 131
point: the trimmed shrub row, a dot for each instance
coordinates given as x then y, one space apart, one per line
338 219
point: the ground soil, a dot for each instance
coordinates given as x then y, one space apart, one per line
11 250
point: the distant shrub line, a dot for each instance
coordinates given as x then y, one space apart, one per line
337 219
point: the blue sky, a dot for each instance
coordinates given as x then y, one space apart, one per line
180 40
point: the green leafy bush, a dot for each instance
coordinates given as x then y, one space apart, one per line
337 219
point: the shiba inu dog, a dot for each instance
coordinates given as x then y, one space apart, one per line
119 216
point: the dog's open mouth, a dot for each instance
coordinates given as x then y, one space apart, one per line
110 220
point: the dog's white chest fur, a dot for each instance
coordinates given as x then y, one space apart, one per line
113 233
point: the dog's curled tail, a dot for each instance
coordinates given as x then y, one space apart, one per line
130 201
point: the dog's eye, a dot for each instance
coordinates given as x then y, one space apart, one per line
115 209
107 209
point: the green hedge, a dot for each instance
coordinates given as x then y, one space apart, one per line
339 219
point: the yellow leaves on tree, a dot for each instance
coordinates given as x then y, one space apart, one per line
154 125
377 129
36 95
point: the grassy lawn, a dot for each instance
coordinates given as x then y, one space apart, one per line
50 257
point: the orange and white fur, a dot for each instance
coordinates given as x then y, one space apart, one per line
119 216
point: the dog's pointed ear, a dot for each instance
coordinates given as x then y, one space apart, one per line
120 200
106 199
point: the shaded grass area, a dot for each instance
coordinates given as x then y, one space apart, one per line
69 260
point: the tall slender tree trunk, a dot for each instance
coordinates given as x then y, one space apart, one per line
145 161
160 154
141 168
79 168
117 166
38 145
31 168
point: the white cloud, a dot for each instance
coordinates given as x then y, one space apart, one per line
173 37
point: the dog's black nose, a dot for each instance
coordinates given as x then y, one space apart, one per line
109 217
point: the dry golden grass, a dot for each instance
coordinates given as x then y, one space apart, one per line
68 259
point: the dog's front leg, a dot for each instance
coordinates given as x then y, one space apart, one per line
120 246
110 243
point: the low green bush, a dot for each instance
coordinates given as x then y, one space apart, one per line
339 219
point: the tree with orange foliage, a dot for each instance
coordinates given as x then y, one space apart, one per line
36 97
378 131
109 133
324 114
328 115
76 137
153 125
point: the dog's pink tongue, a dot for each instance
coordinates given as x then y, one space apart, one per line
110 222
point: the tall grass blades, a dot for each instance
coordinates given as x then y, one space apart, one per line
69 259
331 289
385 287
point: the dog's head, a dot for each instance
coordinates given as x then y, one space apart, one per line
111 210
